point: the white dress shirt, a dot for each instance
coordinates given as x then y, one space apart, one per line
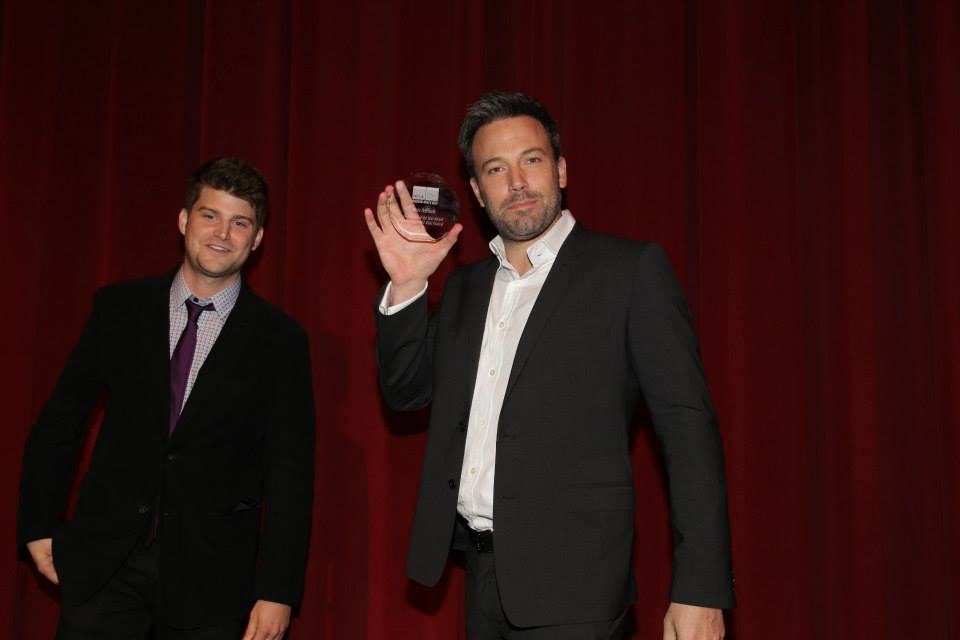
511 302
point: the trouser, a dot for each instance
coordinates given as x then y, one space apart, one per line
123 608
487 621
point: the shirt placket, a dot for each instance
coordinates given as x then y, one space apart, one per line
495 370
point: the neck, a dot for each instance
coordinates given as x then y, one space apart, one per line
517 249
204 286
517 254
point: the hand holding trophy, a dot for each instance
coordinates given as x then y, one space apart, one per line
413 238
435 209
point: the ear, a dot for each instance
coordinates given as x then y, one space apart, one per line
476 191
562 172
257 239
182 221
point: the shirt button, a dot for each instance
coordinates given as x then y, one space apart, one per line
501 324
473 471
493 372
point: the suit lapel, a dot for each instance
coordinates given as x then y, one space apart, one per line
550 295
225 359
478 287
155 319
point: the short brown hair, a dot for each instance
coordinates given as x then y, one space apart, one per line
237 178
499 105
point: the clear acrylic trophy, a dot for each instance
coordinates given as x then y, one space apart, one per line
437 209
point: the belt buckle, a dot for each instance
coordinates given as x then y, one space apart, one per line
483 541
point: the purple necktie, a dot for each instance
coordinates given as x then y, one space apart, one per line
182 360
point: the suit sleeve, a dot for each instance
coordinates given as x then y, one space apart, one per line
665 355
405 342
52 446
288 481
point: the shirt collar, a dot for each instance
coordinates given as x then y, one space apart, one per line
223 301
545 249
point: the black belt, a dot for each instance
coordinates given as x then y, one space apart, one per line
482 541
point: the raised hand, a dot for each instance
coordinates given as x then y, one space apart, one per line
408 263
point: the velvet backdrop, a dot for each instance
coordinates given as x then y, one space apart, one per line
797 160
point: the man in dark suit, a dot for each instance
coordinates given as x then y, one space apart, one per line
194 516
533 362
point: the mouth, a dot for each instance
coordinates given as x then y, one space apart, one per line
218 248
522 204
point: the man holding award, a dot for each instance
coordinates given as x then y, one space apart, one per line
534 361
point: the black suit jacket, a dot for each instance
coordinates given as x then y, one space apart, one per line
610 324
242 452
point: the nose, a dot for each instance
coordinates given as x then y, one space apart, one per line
518 180
223 229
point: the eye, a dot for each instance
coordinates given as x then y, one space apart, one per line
206 215
241 224
494 170
534 160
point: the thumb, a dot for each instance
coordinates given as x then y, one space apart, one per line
451 238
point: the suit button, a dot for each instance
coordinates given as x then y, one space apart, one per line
142 509
171 457
452 483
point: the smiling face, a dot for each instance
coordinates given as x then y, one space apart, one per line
219 232
518 180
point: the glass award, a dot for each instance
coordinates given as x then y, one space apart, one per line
436 209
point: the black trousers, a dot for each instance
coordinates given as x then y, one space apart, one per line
123 608
487 621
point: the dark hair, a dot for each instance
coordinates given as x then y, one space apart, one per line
234 176
499 105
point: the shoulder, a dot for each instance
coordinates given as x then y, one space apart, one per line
132 292
642 267
610 248
271 319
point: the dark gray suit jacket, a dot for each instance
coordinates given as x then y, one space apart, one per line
610 324
234 483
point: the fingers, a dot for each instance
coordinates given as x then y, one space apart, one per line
42 553
252 626
268 621
669 629
451 238
267 632
387 206
372 226
409 209
48 571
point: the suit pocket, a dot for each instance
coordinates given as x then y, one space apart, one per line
618 497
247 504
60 553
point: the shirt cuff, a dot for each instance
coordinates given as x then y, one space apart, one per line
389 311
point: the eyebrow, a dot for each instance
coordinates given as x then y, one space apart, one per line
522 153
220 213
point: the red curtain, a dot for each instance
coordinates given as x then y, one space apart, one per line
797 160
